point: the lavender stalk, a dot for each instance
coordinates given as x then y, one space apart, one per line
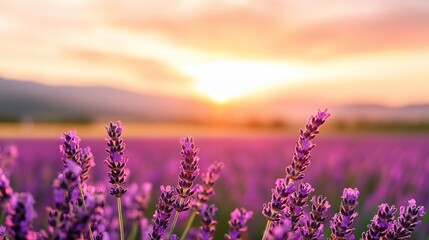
409 218
341 222
237 224
71 151
189 171
116 162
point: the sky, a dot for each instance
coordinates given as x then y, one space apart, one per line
322 51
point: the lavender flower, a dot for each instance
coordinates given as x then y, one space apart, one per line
313 228
76 225
161 217
273 211
280 230
341 222
297 201
137 199
87 162
206 190
21 216
66 186
5 191
380 223
70 148
408 219
98 220
304 145
237 224
8 155
208 223
2 232
116 160
188 172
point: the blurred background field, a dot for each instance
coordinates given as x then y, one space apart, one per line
388 168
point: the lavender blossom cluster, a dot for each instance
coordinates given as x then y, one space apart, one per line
80 210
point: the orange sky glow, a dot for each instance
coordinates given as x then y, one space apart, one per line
331 52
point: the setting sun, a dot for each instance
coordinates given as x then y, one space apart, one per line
223 81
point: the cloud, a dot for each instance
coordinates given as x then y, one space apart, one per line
145 69
310 31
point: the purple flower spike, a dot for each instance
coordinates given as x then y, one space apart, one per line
5 191
237 224
70 148
87 160
273 211
341 222
188 172
137 199
409 218
208 223
300 160
380 223
116 160
161 217
313 228
2 232
8 155
280 231
206 190
297 201
22 213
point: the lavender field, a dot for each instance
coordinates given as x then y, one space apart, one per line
387 168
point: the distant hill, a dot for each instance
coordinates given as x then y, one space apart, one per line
24 100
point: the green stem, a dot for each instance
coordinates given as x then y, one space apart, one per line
91 236
264 236
134 230
176 216
121 222
2 217
175 220
57 222
188 225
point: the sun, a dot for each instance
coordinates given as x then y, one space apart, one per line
224 81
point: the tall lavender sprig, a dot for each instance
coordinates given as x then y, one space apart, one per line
208 226
22 214
206 189
408 219
161 217
189 171
380 223
273 211
116 162
313 228
300 160
71 152
341 222
237 224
